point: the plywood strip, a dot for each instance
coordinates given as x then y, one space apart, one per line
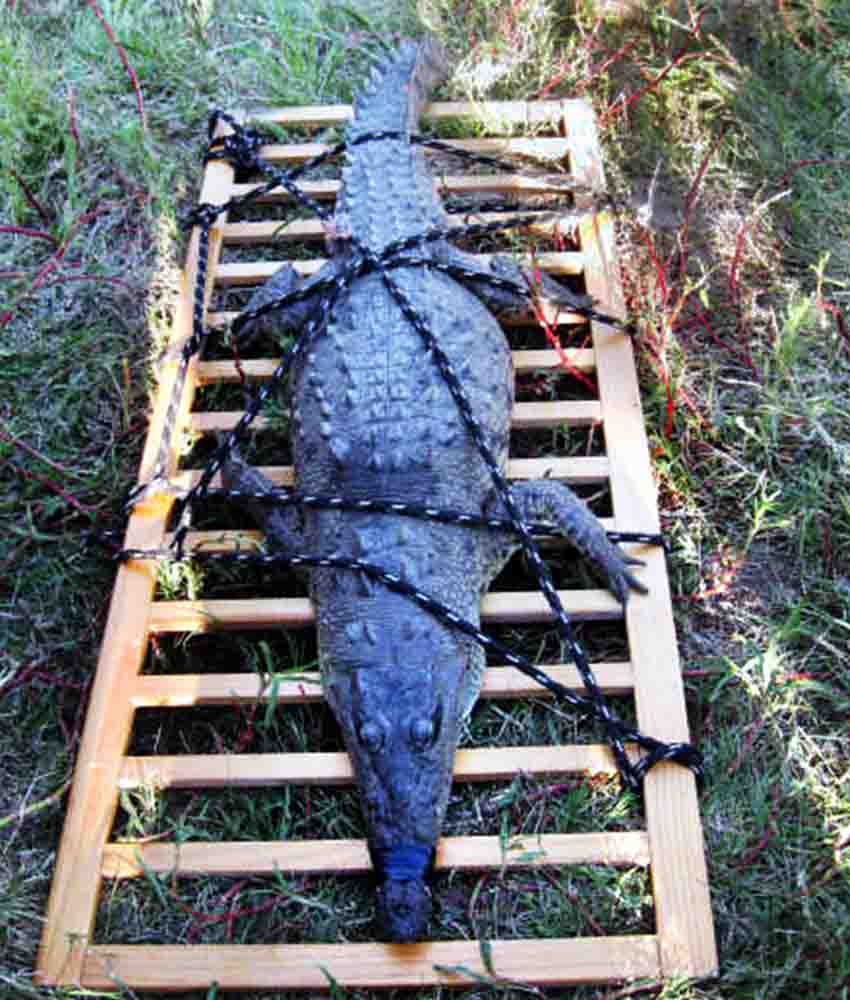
94 794
237 273
554 962
254 233
527 115
243 539
190 858
180 690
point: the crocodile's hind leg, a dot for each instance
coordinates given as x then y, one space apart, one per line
282 525
556 504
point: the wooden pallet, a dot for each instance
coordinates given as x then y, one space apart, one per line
671 844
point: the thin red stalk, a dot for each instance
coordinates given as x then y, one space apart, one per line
837 315
690 201
680 58
89 277
56 257
50 485
741 355
815 162
36 234
31 199
23 446
122 55
72 121
553 339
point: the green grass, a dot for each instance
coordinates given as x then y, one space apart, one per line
745 368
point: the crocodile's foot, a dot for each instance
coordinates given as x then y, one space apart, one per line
554 502
403 908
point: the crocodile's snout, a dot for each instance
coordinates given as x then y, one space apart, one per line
403 909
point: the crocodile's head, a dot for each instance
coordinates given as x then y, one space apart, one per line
401 727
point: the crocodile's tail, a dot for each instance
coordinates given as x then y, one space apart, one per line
414 69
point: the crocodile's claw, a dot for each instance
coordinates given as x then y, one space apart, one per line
554 503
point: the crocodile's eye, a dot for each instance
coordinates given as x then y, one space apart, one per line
421 733
371 736
425 732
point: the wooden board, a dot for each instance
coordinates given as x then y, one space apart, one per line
671 845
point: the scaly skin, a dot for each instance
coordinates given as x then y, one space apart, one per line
372 417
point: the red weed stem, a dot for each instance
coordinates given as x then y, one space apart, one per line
56 257
72 121
837 315
122 55
23 446
54 488
742 355
31 199
622 106
36 234
820 161
554 340
690 200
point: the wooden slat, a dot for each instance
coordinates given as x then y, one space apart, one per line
254 233
680 879
272 769
546 149
180 690
514 607
211 372
571 470
192 858
553 962
525 416
239 273
507 185
523 114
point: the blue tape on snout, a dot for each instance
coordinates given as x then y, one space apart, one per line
404 863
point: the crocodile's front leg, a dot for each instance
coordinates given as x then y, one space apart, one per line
282 525
505 301
283 282
555 503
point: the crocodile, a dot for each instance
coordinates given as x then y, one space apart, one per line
372 416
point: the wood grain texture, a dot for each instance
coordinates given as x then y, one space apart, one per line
262 770
190 858
554 962
182 690
264 612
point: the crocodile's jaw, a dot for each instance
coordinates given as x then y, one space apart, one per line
400 725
